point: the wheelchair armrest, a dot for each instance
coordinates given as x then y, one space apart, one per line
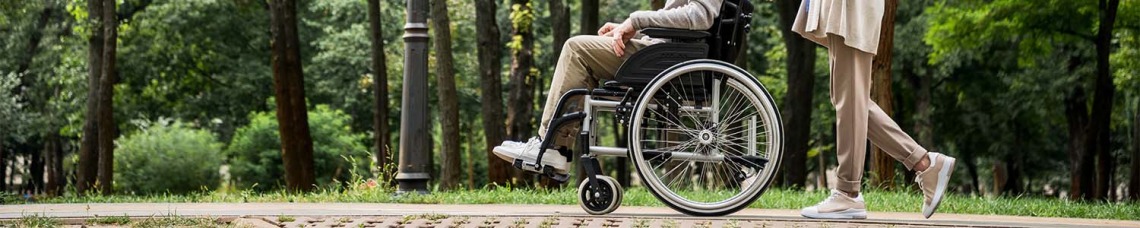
678 34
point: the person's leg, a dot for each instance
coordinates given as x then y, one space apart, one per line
584 61
851 95
886 134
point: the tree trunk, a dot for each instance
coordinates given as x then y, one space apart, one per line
106 93
658 4
798 105
381 139
88 166
53 155
589 24
520 112
448 99
490 50
1099 132
36 185
3 164
923 125
1134 183
1080 170
288 81
882 165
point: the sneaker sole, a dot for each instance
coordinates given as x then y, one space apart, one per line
507 157
845 214
943 180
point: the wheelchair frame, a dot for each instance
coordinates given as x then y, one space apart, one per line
642 68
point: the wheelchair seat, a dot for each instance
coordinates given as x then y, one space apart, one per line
722 42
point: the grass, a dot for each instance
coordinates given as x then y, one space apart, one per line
32 220
887 201
109 220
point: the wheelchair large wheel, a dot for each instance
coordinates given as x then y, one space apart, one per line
706 138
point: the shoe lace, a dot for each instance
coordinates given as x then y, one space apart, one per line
532 145
834 193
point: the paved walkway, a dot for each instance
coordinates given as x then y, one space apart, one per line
426 215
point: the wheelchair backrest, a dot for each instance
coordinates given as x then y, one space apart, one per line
728 31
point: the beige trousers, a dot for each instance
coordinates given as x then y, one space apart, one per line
584 61
858 118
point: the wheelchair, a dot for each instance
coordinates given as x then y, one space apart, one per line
704 135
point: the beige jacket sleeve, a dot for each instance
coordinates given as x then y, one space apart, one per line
679 14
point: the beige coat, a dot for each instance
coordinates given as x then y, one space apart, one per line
857 21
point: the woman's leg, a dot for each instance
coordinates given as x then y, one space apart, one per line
851 95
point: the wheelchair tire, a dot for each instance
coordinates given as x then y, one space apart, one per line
702 118
602 201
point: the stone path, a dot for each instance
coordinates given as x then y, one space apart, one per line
499 215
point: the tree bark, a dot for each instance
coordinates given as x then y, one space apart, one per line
106 93
36 185
490 73
3 164
381 139
882 165
1080 168
89 144
448 98
798 105
1099 131
657 4
53 156
1134 183
288 81
589 21
520 110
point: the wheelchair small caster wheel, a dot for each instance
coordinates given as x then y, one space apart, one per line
603 200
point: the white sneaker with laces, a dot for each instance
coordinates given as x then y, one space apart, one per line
511 150
837 206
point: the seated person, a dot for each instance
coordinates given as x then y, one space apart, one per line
586 59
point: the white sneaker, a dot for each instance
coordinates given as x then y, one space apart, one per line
837 206
933 181
528 151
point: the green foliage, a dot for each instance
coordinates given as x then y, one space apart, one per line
255 152
167 157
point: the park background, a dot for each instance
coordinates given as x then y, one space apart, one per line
1038 98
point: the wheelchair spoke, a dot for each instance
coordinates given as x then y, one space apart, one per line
695 131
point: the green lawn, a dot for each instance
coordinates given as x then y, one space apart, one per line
893 201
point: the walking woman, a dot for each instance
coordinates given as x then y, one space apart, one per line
850 31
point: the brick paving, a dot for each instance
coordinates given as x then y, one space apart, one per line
529 216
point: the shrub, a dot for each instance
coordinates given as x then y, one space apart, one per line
255 152
166 156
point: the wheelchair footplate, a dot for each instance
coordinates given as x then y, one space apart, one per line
543 169
548 171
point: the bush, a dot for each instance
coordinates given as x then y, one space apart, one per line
167 157
255 151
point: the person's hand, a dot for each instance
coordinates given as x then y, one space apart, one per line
605 30
622 33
